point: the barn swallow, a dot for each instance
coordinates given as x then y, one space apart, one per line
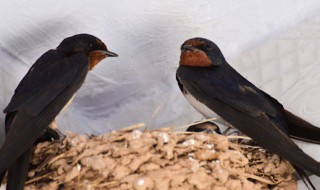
45 90
215 89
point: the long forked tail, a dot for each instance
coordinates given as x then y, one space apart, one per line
300 129
305 178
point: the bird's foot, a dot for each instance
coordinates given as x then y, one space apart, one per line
55 132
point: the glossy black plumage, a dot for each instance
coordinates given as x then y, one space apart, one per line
43 92
247 108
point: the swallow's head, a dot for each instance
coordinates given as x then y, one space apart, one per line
200 52
87 44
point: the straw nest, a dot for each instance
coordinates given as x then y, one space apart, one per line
158 159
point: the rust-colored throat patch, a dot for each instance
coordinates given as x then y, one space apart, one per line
196 58
95 58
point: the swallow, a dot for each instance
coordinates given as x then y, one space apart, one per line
47 88
215 89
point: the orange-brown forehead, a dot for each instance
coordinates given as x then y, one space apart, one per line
194 43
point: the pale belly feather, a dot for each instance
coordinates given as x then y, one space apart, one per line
204 110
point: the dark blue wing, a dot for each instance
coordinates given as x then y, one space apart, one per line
236 91
48 76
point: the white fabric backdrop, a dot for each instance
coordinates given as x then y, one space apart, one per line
273 44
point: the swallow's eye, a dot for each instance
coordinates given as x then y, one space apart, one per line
207 46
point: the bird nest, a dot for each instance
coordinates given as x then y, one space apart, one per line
157 159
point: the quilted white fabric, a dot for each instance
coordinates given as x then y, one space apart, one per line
274 44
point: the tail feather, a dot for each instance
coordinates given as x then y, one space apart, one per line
17 172
305 178
1 177
298 128
301 129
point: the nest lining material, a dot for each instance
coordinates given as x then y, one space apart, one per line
158 159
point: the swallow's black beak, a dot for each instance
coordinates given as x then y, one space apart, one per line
109 53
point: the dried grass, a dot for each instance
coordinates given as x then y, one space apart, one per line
158 159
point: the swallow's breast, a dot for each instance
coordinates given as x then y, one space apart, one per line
203 109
